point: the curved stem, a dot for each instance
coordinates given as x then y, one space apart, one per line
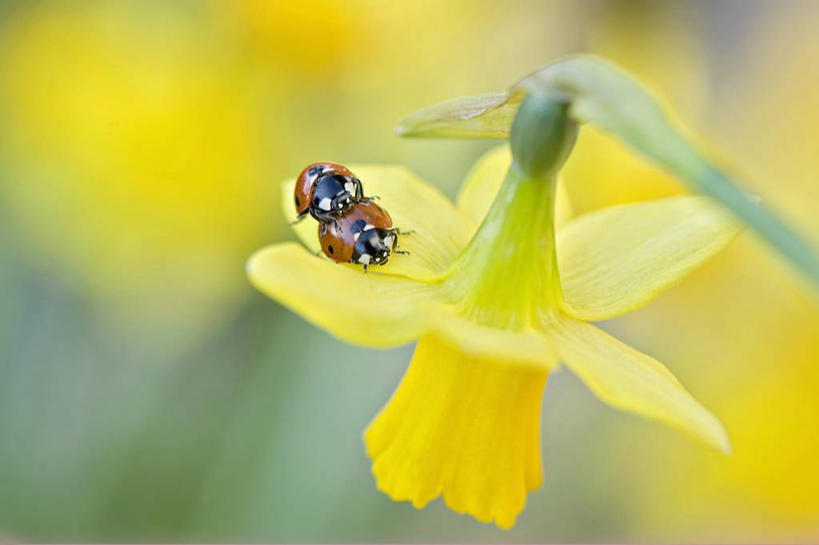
603 94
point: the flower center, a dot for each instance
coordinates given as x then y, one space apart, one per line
508 272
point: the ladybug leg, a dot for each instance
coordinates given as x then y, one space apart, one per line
395 245
359 190
320 216
365 268
298 219
400 232
325 217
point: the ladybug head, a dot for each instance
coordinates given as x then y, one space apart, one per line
343 203
340 177
333 193
373 246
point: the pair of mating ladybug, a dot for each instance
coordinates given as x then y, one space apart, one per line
352 228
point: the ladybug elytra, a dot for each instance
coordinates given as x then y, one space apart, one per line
326 191
364 235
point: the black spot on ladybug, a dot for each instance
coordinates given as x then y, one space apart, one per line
358 226
330 248
298 202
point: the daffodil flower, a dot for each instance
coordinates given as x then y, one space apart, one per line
497 299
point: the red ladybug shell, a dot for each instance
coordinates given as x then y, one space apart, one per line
339 246
303 192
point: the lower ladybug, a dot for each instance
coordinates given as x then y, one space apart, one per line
364 235
326 191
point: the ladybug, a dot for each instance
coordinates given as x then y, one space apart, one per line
326 191
364 235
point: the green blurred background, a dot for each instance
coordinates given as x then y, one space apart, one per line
148 393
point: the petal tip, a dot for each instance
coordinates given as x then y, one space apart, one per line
402 130
723 443
713 432
253 263
257 260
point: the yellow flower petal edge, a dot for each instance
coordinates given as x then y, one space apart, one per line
440 230
464 427
378 311
484 181
630 380
618 259
525 347
381 311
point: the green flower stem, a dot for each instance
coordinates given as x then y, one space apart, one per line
601 93
707 179
508 272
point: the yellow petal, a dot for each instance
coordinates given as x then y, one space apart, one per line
485 179
630 380
620 258
440 230
462 426
366 309
527 347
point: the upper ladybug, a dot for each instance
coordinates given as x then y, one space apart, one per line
327 191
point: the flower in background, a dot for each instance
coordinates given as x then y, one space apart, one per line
765 117
495 309
131 140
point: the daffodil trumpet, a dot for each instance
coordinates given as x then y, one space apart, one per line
497 291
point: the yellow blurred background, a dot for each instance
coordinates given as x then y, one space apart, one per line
148 393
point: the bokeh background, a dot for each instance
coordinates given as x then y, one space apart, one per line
148 393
